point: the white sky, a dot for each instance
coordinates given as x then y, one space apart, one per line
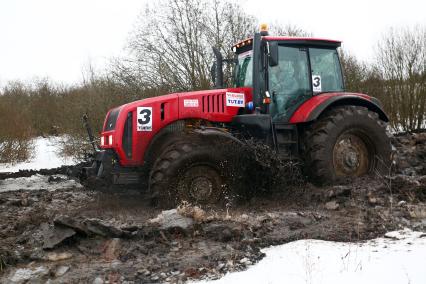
59 38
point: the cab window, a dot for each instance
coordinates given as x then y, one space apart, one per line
325 69
244 70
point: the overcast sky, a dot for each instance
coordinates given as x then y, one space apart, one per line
59 38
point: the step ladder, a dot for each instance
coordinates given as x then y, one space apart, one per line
286 140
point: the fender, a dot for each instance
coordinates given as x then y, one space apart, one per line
315 106
214 132
174 132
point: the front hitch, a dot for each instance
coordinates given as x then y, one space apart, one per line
101 166
103 159
86 124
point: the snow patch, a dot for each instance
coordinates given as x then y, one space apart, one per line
23 275
397 258
38 182
46 156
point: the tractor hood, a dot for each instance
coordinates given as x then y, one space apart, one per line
219 105
141 120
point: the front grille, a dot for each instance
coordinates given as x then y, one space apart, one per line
214 103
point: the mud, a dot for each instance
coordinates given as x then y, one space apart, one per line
113 235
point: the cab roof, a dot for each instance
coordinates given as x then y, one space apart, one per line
302 40
293 40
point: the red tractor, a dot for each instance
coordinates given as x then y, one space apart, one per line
288 93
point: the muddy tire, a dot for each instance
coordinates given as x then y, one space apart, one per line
189 171
346 141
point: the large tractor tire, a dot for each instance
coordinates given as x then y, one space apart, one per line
346 141
192 171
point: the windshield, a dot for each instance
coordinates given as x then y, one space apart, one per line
244 70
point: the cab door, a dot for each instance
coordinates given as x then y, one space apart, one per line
289 81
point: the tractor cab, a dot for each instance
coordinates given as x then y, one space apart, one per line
284 72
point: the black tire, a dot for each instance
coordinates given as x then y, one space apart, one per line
346 141
189 170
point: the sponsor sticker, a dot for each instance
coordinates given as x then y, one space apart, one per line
190 103
235 99
144 119
316 83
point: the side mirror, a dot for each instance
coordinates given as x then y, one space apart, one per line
273 53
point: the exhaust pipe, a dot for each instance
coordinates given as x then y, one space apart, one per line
217 69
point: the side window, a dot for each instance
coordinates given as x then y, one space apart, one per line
326 72
244 70
291 73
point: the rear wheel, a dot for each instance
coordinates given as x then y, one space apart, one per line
189 171
347 141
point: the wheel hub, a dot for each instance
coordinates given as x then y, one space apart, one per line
200 188
351 159
351 156
200 184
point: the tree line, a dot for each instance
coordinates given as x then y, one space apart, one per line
170 51
397 76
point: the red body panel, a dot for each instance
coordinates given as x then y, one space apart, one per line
209 105
303 113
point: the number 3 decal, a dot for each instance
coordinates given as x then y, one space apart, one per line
316 83
146 116
144 119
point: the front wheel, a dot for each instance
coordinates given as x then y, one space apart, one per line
347 141
189 171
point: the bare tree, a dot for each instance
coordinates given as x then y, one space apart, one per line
170 48
401 59
288 30
355 72
171 45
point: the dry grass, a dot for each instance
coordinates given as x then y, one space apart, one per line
15 150
77 147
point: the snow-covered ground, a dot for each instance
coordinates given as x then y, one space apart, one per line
46 156
398 258
38 182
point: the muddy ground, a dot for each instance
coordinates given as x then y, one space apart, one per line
81 235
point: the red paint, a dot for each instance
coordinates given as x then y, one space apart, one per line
303 112
211 107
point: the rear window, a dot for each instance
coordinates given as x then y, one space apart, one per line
112 119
